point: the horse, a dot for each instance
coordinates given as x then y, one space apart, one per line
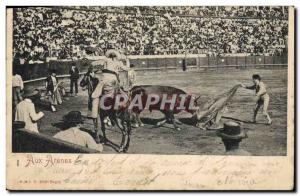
119 116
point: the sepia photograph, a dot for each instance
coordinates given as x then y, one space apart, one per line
149 80
232 61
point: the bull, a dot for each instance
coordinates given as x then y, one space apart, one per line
205 114
181 101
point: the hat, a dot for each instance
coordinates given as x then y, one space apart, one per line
231 130
73 117
111 53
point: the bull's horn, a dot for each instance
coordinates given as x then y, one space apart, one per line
197 98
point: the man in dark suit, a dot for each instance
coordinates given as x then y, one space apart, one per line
52 89
74 75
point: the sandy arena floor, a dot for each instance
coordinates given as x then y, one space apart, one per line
262 139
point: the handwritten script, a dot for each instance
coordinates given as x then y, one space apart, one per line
142 171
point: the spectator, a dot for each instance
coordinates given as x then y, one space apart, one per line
52 89
18 86
90 81
25 111
42 32
74 75
74 135
232 135
131 75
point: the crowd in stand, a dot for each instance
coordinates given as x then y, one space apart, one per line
202 11
59 32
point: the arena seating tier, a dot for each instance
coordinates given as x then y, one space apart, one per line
68 32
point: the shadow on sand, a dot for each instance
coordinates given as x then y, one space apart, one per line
151 121
187 121
243 121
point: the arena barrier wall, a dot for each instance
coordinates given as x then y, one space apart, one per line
41 70
33 72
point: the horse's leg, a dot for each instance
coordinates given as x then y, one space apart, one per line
118 122
104 140
112 120
128 136
127 128
95 122
107 121
120 125
135 123
124 135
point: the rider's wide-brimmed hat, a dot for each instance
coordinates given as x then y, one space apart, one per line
97 65
73 117
232 130
112 53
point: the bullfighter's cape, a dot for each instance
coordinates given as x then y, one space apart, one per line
217 104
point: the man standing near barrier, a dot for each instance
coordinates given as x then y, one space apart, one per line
90 81
17 87
131 76
74 75
52 89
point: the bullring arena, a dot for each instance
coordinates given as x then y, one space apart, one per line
262 139
199 74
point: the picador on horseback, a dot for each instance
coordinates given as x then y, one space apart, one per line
109 84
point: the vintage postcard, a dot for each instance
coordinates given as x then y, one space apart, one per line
150 98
